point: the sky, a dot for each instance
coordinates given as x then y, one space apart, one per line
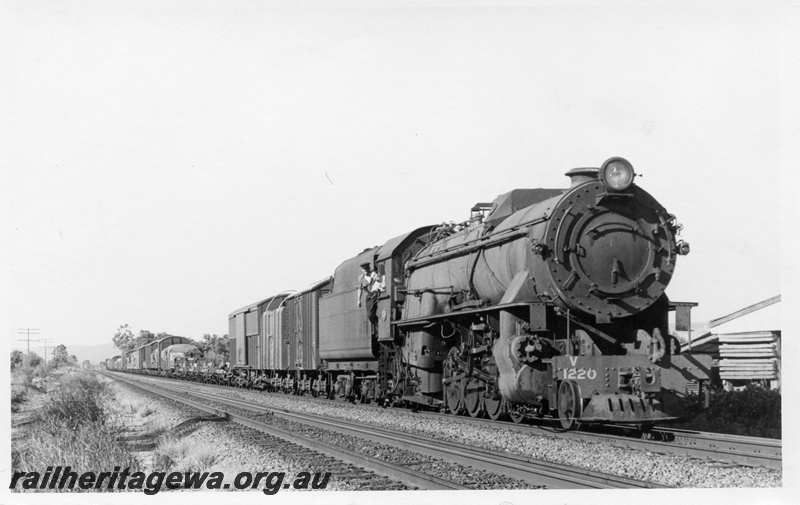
168 162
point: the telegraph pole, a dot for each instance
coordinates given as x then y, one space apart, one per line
29 332
45 340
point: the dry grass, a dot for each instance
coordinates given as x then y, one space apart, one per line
79 400
75 429
156 427
182 455
19 395
145 411
133 404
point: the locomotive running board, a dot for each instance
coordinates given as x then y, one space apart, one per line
436 317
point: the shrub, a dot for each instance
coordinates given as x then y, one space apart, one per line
78 401
40 370
753 411
18 396
90 447
22 376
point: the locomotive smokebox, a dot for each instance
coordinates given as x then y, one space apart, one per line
593 249
610 252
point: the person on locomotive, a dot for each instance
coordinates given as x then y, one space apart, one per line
364 280
370 284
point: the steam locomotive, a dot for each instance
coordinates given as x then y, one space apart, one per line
546 303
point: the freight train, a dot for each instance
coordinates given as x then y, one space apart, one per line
546 303
156 356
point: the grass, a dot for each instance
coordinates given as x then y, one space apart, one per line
133 404
157 428
74 429
78 401
144 411
18 396
182 455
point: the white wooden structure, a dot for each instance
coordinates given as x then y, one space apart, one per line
744 355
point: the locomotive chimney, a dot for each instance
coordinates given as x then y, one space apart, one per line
580 175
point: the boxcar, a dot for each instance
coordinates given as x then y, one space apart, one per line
260 345
141 359
236 331
132 360
273 340
150 356
231 351
300 326
248 337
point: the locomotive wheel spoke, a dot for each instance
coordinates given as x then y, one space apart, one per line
455 402
495 407
453 392
569 404
473 397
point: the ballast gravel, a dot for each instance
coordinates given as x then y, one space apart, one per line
470 478
670 470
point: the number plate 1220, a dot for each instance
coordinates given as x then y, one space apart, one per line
579 373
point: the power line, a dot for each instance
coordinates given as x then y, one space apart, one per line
45 340
29 332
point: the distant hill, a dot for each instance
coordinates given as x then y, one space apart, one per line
94 353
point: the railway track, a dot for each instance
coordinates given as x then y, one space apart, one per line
339 462
733 449
716 447
337 467
533 472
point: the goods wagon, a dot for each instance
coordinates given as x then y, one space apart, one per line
161 345
186 353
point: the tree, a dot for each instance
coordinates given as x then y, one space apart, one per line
16 358
86 364
123 337
60 356
144 338
125 340
31 360
214 347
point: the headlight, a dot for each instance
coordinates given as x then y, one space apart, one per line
617 174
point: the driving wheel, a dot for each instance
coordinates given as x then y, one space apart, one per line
473 397
495 407
570 404
454 399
